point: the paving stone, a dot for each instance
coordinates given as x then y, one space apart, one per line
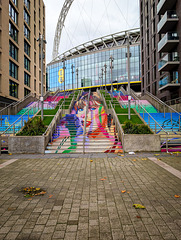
84 207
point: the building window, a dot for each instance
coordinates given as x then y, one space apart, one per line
13 89
26 79
27 4
13 51
26 32
34 84
26 17
13 70
13 32
26 91
26 48
13 14
15 2
26 63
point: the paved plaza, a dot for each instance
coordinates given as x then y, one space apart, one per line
91 197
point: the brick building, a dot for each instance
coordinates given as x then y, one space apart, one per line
21 24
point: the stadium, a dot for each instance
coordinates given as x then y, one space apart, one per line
99 63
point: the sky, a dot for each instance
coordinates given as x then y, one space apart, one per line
88 20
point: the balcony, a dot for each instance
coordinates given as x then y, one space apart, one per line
168 42
168 22
169 62
168 83
165 5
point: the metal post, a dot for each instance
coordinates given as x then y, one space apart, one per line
42 57
77 76
72 67
179 123
105 66
63 60
128 57
13 130
111 66
102 76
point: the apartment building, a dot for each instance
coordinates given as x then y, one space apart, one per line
21 24
160 26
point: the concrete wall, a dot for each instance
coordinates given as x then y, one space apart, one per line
24 144
141 142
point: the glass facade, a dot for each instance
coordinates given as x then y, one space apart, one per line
87 69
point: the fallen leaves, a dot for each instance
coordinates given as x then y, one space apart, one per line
103 179
123 191
138 206
32 191
176 196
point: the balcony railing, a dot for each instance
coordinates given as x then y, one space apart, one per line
169 59
169 17
168 80
164 5
171 38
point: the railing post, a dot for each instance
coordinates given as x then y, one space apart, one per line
164 111
1 119
22 122
13 130
149 120
179 123
143 113
167 143
171 116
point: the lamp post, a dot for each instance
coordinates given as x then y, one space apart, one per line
63 60
42 41
77 72
72 67
105 66
102 69
128 57
111 67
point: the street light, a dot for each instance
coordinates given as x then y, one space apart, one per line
63 60
72 67
77 73
105 66
42 41
111 67
102 69
128 57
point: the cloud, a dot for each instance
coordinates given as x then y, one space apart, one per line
87 20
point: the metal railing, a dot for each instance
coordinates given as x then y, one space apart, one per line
71 104
173 101
85 121
118 126
52 126
14 104
164 105
13 128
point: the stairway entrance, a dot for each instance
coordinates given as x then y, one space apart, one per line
85 130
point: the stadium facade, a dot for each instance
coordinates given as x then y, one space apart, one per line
98 63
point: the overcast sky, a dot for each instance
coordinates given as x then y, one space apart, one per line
89 19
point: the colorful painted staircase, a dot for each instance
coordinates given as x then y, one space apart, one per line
69 136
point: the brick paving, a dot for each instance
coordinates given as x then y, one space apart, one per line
83 199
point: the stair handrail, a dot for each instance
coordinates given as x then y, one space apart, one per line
123 90
174 100
50 126
85 121
164 105
71 104
15 103
117 125
21 117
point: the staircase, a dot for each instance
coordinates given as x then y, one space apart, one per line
71 135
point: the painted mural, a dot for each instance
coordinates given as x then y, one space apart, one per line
69 136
